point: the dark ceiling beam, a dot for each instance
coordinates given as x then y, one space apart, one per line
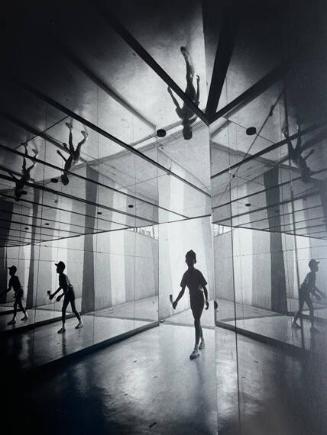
90 180
146 57
269 149
252 93
105 134
225 46
78 199
71 56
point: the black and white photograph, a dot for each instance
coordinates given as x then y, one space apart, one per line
163 217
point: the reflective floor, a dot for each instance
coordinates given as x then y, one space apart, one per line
262 390
145 384
44 345
279 328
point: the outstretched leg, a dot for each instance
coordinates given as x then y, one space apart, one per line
298 313
190 89
311 313
63 318
74 310
189 65
23 309
77 152
69 125
13 320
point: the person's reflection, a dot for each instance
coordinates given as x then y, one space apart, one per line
74 153
307 288
195 281
25 174
185 113
295 154
69 296
15 284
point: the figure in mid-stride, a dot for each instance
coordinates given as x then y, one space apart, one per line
74 153
307 288
68 294
15 284
185 113
196 283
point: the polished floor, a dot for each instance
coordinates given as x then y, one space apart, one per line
143 385
279 328
263 390
44 345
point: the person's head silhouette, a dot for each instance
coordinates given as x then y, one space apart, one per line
64 179
190 258
187 131
313 264
60 266
12 270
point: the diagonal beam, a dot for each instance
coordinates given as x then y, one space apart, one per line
105 134
146 57
251 93
101 84
223 56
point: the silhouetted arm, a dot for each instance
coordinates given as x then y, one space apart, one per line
57 291
181 293
206 296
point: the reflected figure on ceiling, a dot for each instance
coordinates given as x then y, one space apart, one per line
15 284
25 173
307 288
74 153
68 294
295 154
196 283
185 113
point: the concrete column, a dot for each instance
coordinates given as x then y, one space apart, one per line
278 279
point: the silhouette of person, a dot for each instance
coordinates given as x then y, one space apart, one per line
74 153
307 287
15 284
195 281
185 113
68 294
25 175
295 154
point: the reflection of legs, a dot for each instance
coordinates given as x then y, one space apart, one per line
64 308
19 301
13 320
189 65
297 315
311 312
80 324
77 152
190 90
